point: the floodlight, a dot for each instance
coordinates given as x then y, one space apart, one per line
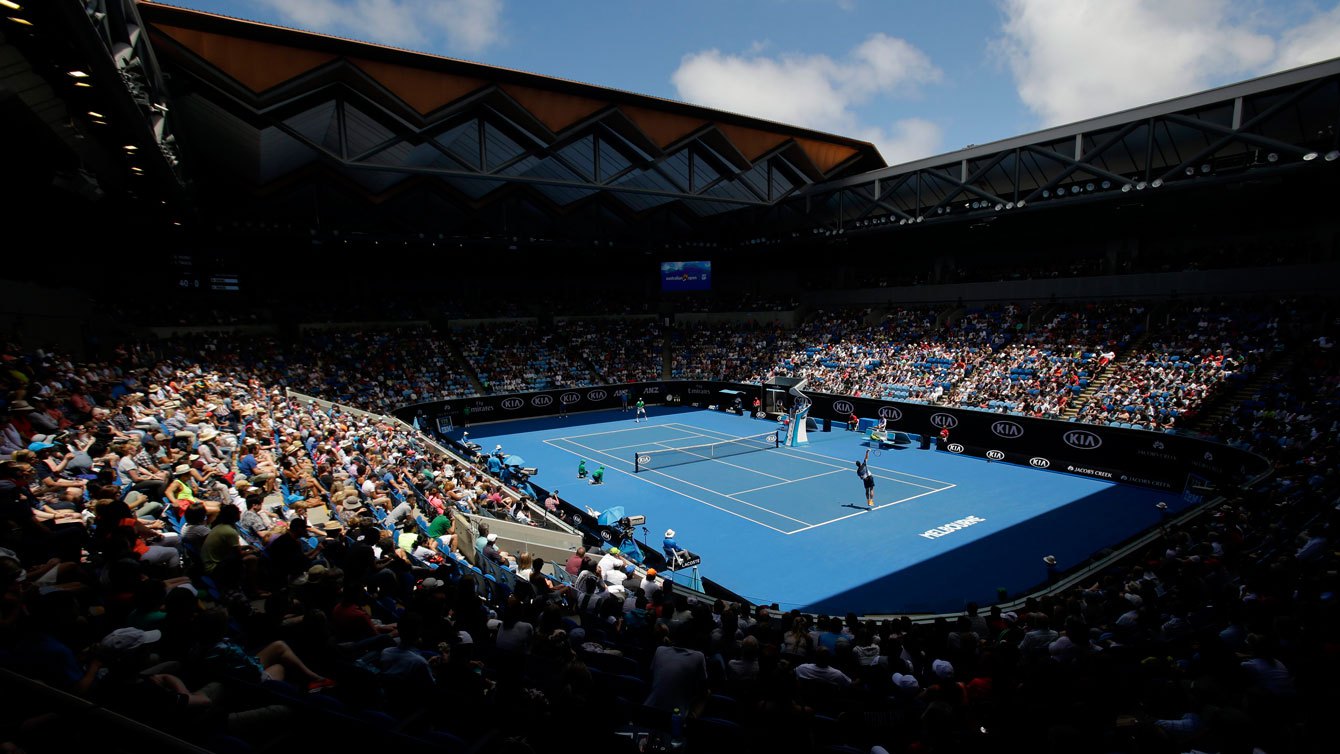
1190 170
1088 187
1106 185
1046 193
1309 157
1140 186
1272 157
1333 155
1125 188
1157 183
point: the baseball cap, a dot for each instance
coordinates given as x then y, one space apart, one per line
39 446
126 639
942 668
493 537
651 572
905 681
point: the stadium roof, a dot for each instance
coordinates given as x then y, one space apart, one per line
295 125
1283 126
238 128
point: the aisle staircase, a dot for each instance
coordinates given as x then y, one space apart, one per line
1223 406
1100 380
464 365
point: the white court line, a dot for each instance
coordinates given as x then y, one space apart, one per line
835 458
732 465
630 429
867 510
672 439
691 484
788 481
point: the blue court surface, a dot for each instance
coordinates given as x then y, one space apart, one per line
791 525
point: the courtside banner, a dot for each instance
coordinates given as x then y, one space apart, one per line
1131 456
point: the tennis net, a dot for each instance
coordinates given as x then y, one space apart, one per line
660 458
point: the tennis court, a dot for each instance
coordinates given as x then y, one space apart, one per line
787 490
777 522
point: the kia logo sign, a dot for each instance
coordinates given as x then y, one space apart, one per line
1041 463
569 398
891 413
1007 429
995 455
644 459
540 401
944 421
955 447
1082 439
597 395
512 404
843 407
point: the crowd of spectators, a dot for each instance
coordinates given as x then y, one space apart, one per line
621 350
744 352
517 357
1187 360
1035 361
193 549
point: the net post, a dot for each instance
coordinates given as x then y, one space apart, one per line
637 464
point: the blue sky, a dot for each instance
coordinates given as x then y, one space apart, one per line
915 78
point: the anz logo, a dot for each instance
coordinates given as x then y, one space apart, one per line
944 421
540 401
843 407
995 455
891 413
570 398
1039 462
954 447
512 404
597 395
1007 429
1082 439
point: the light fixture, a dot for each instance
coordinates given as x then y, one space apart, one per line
1046 194
77 74
999 207
1125 188
1309 157
1272 157
1009 205
95 115
1190 170
1060 191
1088 187
1140 186
1333 155
1205 168
83 85
1106 185
919 219
1157 183
11 5
131 147
99 122
1020 205
20 21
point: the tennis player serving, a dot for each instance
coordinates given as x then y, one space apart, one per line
863 471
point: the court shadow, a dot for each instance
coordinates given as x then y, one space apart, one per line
1010 558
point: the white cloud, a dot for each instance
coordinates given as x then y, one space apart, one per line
1310 42
1075 59
817 91
464 26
